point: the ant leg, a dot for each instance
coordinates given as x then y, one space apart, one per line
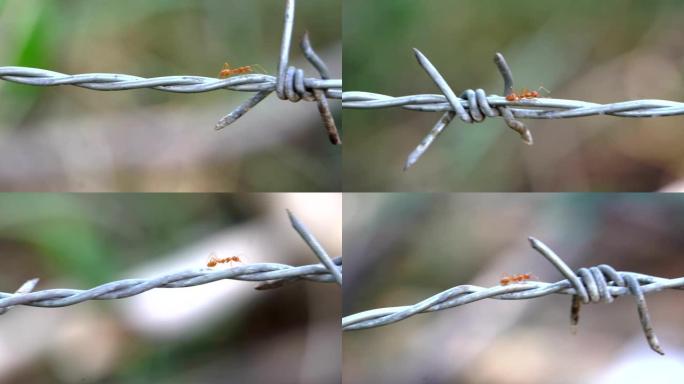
260 68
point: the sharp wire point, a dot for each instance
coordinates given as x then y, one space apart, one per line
316 247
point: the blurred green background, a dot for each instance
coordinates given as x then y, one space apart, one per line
402 248
66 138
215 333
603 51
94 238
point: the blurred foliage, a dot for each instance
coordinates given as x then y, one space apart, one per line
93 238
606 51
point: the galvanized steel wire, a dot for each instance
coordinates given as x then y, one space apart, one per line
272 275
587 285
475 105
290 84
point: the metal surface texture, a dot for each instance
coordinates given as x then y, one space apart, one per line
272 275
474 106
290 84
597 284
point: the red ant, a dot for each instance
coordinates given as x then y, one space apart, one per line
525 94
227 71
214 260
516 278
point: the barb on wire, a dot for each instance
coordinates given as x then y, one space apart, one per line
315 247
273 275
588 285
25 288
290 84
475 105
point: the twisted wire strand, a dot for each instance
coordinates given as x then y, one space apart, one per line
474 106
291 85
596 284
25 288
272 275
269 272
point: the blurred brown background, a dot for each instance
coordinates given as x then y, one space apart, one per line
402 248
71 139
220 332
600 52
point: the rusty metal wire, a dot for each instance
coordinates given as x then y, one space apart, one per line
474 106
273 275
290 84
587 285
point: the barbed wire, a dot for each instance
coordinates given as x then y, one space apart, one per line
473 106
290 84
272 275
587 285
